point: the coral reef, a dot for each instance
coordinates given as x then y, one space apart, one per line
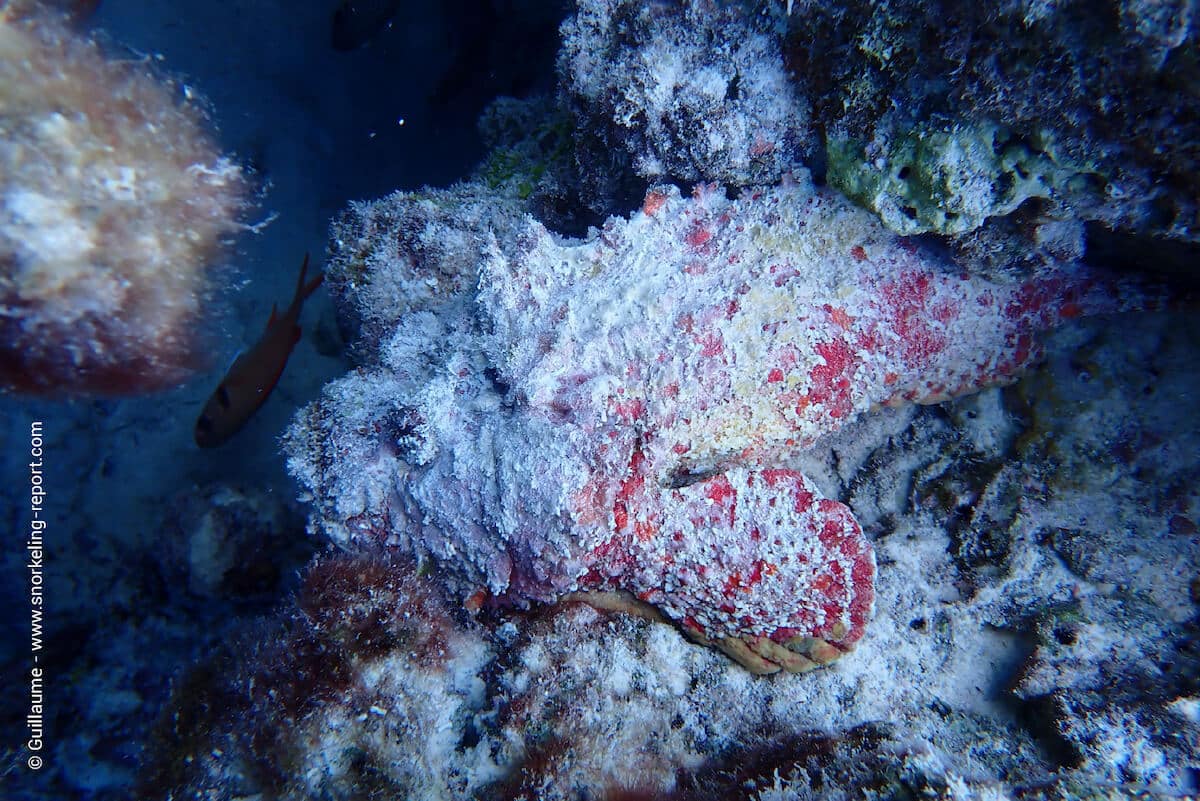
113 202
531 158
947 181
375 686
940 116
368 684
1004 129
1112 664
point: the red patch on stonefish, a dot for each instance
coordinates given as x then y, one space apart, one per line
831 381
711 344
723 496
653 202
629 410
698 236
908 301
630 491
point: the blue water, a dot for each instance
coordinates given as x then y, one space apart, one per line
320 128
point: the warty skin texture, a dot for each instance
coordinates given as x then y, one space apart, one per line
619 413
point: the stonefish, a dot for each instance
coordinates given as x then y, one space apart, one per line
618 414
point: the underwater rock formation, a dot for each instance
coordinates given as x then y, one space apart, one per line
222 542
369 680
939 116
373 684
113 201
686 92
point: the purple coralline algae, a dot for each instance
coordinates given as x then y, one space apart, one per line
620 413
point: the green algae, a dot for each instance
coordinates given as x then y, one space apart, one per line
949 180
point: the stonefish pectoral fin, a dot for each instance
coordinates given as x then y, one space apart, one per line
757 563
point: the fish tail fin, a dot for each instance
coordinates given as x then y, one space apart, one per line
298 298
304 290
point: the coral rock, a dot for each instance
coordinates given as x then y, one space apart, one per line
689 91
